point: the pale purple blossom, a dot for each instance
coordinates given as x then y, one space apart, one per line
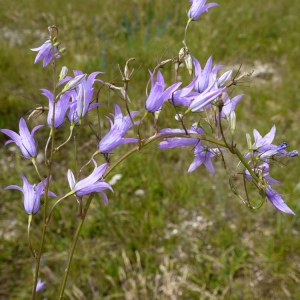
32 194
229 105
203 155
119 128
274 197
157 94
40 285
82 97
198 8
175 142
24 140
61 107
94 183
46 52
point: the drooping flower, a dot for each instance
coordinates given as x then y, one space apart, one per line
119 128
184 96
157 94
32 194
47 51
175 142
198 8
61 107
83 97
275 198
24 140
40 285
229 105
203 155
92 184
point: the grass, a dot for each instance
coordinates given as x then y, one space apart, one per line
165 234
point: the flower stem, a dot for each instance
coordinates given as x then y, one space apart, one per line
63 284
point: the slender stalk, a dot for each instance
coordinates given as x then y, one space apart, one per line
72 249
46 189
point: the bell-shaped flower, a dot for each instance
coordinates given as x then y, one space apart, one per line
180 141
32 194
61 107
198 8
40 285
229 105
205 99
81 103
274 197
45 52
184 96
203 155
24 140
262 144
94 183
157 94
119 128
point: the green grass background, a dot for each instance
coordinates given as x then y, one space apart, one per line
165 234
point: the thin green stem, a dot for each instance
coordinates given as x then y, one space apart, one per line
72 249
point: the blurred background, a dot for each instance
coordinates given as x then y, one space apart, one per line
165 234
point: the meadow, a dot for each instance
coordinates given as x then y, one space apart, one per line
165 234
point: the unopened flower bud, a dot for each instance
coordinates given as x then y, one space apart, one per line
224 78
189 64
74 82
62 50
232 122
63 73
249 142
56 44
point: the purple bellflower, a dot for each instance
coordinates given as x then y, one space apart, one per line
198 8
83 97
45 52
119 128
32 194
274 197
184 96
203 155
40 285
175 142
24 140
229 105
92 184
61 107
157 94
262 144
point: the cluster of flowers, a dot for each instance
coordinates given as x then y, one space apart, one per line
207 91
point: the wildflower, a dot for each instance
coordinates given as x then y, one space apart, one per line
157 94
275 198
180 141
32 194
25 140
119 128
47 51
203 155
83 97
40 285
91 184
229 105
184 96
61 107
262 144
198 8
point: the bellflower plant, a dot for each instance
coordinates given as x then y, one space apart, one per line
206 121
